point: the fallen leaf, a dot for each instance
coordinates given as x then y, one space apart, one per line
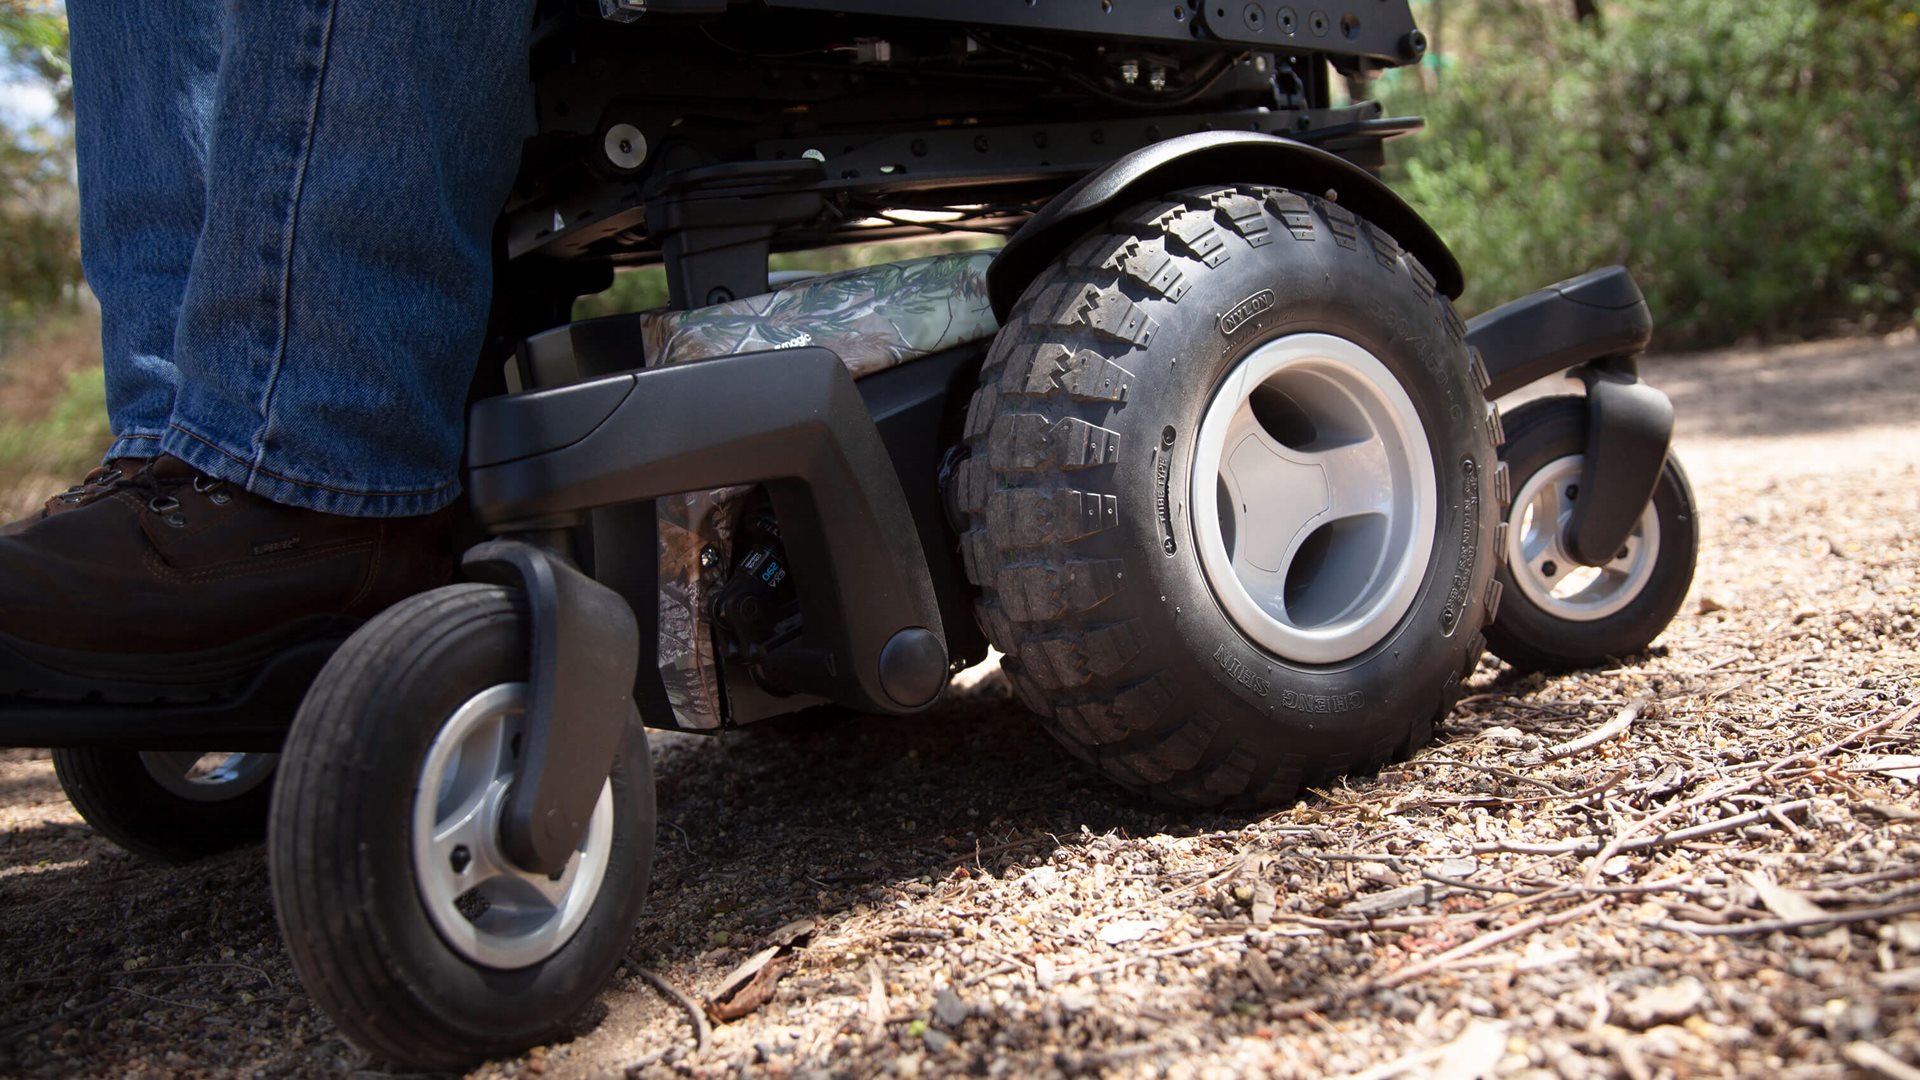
1394 899
757 991
791 933
741 975
1664 1004
1475 1053
1114 933
1898 766
1787 903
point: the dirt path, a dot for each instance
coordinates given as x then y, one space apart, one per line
1498 904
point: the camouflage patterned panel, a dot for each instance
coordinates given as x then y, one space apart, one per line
874 318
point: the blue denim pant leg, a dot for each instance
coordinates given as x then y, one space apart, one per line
337 295
143 121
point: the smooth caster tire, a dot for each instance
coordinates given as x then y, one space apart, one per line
1229 497
172 806
1556 614
409 927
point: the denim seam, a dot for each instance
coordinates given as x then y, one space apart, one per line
364 493
292 228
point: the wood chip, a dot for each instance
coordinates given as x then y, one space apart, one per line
1254 963
1878 1061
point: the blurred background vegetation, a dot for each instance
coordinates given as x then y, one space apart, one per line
1756 163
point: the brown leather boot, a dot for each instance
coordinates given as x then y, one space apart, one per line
170 586
95 484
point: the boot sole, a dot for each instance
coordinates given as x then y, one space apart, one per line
39 673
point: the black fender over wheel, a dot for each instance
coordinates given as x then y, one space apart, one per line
407 924
1309 610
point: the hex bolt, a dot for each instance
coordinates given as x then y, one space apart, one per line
709 558
1550 568
1157 78
460 859
1129 71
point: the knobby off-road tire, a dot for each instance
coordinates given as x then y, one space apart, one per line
148 804
1550 620
351 891
1082 445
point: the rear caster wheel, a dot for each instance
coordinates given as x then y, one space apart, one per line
1555 613
171 806
409 926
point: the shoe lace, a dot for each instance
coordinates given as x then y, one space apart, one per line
102 479
162 493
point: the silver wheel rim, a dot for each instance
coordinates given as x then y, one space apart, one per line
484 907
1555 581
1313 498
201 776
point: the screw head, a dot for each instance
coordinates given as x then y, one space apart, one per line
625 146
709 557
1413 45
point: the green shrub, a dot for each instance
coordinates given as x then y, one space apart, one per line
1755 162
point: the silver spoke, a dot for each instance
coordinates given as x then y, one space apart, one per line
1275 497
1359 479
470 828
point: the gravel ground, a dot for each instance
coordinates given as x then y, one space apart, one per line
1703 862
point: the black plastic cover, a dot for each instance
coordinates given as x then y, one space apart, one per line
791 419
1596 316
1211 157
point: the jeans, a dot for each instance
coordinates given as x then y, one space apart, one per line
286 211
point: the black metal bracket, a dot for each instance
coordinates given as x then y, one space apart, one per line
1596 324
585 647
715 224
791 419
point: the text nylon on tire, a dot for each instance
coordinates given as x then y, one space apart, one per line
1232 497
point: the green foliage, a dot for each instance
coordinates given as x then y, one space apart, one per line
1757 165
39 208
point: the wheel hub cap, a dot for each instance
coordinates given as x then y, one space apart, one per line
1313 498
1555 581
484 906
207 777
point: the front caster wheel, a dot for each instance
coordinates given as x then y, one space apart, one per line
1555 613
171 806
409 926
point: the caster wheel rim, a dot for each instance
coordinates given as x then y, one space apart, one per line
1313 498
483 906
200 776
1553 580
